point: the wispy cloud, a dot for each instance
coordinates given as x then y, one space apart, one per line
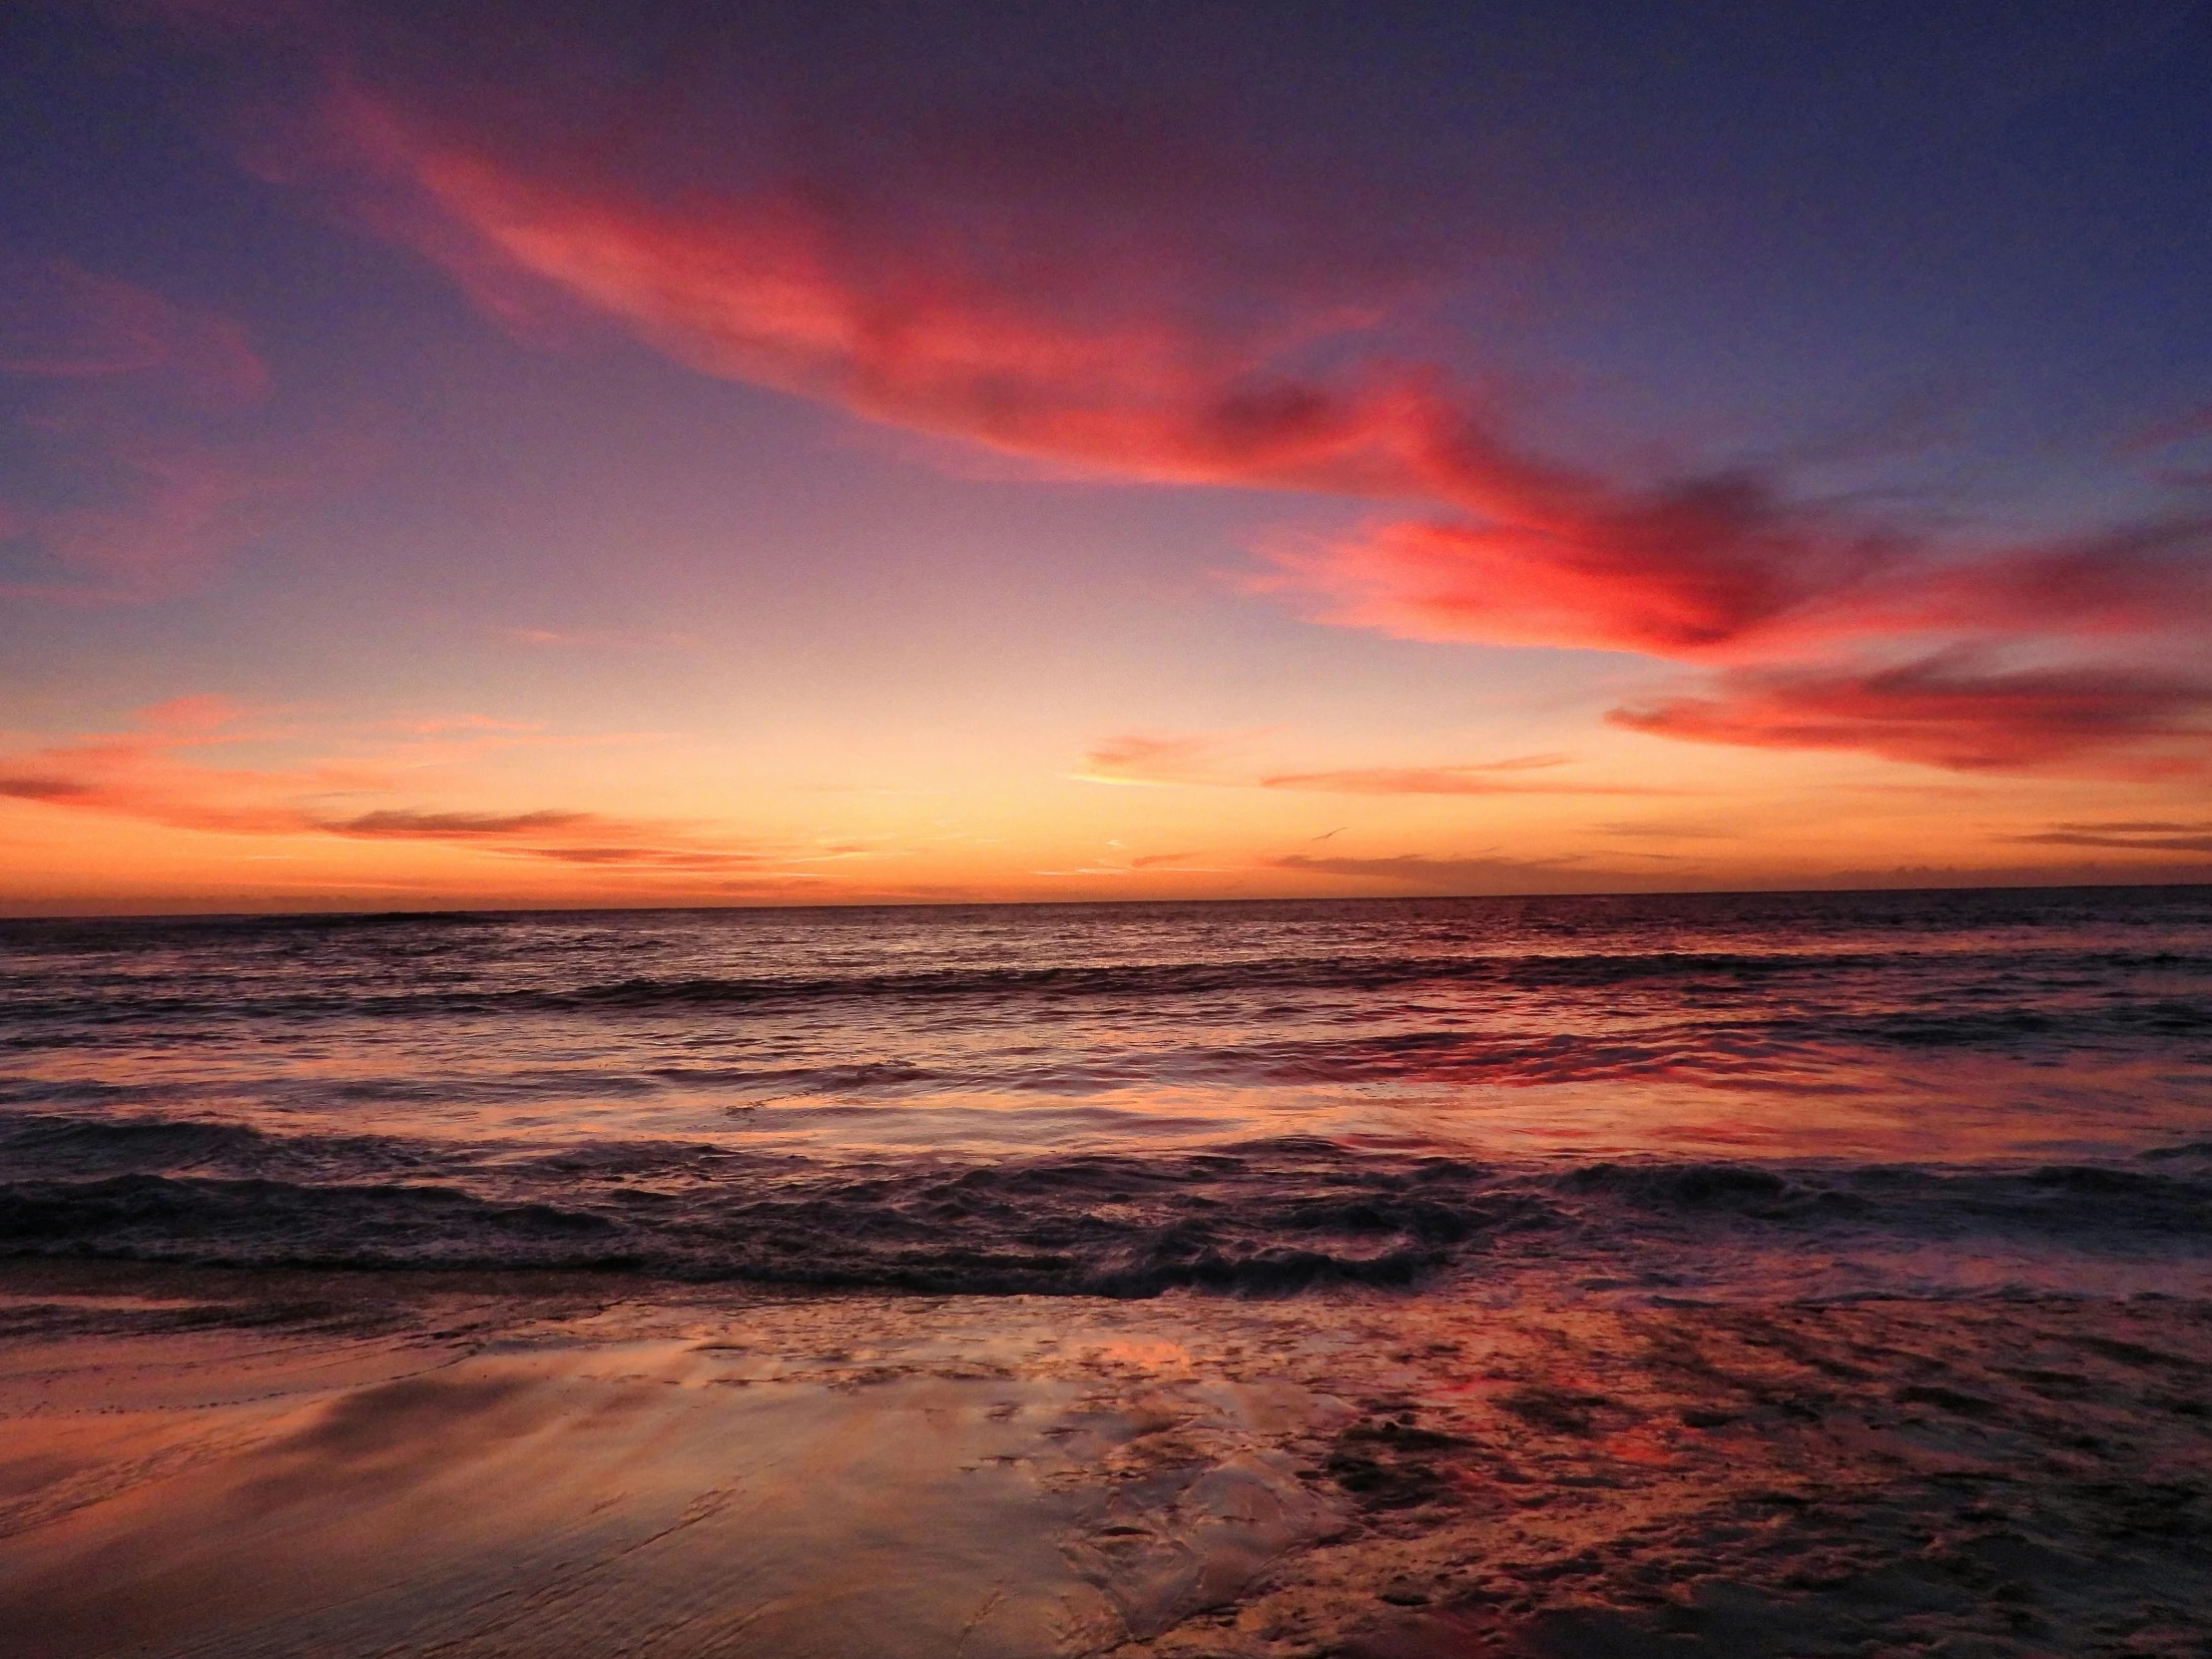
141 467
1476 778
1669 830
1214 761
60 322
2133 836
1161 758
600 639
396 824
635 857
2176 452
1422 871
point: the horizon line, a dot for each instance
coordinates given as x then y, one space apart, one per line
1091 903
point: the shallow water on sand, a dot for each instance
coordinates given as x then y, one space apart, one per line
227 1468
199 1462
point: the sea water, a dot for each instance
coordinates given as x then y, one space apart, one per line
1670 1097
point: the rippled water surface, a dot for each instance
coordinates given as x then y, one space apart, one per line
1113 1097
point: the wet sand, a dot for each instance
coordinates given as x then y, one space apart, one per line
201 1461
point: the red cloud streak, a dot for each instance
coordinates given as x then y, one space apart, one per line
832 292
1074 296
1945 711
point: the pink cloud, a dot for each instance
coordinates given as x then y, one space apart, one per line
1155 759
1951 711
2144 579
173 511
1698 569
816 288
60 322
1725 569
182 716
142 412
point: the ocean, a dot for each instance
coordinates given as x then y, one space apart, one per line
1657 1099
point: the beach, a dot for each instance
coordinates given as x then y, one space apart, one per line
204 1462
1131 832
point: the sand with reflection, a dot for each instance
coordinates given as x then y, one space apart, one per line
263 1463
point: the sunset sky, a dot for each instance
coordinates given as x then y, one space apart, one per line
520 455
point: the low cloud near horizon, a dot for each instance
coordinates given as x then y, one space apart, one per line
1216 761
155 773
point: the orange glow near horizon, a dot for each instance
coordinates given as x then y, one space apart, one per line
443 813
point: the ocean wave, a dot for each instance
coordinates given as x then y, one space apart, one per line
977 1231
1251 1217
1075 1098
1759 978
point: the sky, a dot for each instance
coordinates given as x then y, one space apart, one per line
558 453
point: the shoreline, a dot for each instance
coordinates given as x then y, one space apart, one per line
254 1461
